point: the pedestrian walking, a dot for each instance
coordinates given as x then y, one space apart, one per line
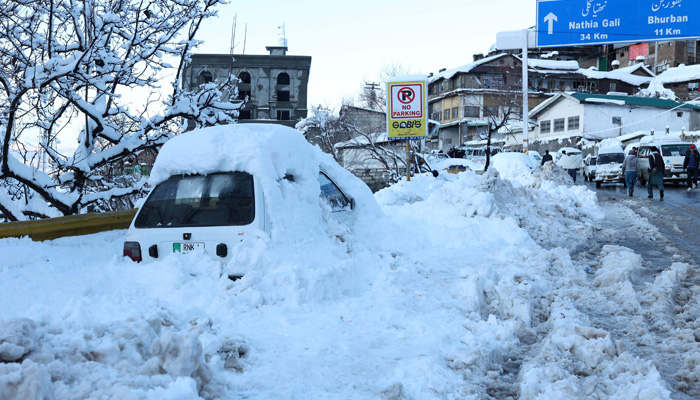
656 173
546 157
629 169
571 162
690 165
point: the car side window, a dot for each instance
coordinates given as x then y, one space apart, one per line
332 194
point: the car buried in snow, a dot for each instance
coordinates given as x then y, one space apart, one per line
216 188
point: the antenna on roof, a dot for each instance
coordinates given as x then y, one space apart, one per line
245 36
233 41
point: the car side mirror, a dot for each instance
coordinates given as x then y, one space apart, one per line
352 203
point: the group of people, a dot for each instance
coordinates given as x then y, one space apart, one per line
630 167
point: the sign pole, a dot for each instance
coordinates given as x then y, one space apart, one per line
526 116
408 160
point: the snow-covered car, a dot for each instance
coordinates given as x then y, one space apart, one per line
589 167
535 156
217 188
609 169
454 165
434 157
673 151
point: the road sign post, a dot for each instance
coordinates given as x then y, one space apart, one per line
586 22
407 112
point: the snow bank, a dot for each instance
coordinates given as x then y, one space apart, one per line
427 296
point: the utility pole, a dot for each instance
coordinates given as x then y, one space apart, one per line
372 98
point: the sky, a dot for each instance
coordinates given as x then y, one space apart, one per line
351 42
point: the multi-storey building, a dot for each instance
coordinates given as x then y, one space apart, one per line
463 100
273 86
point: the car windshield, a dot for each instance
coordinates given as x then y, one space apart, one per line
611 158
224 199
675 150
594 160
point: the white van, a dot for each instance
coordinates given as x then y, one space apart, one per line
217 189
609 162
673 151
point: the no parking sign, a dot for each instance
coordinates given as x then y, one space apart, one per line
407 105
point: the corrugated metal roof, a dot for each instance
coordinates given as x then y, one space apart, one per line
634 100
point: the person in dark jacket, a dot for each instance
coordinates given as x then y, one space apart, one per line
656 173
691 165
546 157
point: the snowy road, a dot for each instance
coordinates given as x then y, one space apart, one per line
661 232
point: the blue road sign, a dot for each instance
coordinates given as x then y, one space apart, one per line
585 22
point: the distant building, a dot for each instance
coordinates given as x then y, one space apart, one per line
684 81
464 99
274 85
569 117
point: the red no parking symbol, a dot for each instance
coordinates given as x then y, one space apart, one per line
406 95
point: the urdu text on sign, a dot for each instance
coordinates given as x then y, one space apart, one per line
584 22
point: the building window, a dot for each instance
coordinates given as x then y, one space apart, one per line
447 114
283 115
205 77
490 111
244 114
244 86
244 77
617 120
455 112
283 95
471 112
437 115
573 124
613 86
283 79
559 124
545 126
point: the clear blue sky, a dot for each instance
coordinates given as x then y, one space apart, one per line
350 42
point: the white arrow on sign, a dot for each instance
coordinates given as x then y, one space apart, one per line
550 18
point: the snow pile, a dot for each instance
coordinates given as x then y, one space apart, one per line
656 89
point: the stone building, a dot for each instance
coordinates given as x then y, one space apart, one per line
275 84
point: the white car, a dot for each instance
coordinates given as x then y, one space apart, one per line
673 151
589 167
217 188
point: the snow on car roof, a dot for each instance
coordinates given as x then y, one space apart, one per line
269 152
610 145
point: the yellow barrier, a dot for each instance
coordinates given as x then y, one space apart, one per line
72 225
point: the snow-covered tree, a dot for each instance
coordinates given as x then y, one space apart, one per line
74 65
325 128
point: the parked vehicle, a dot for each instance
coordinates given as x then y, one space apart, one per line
589 167
673 151
535 156
217 188
609 162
